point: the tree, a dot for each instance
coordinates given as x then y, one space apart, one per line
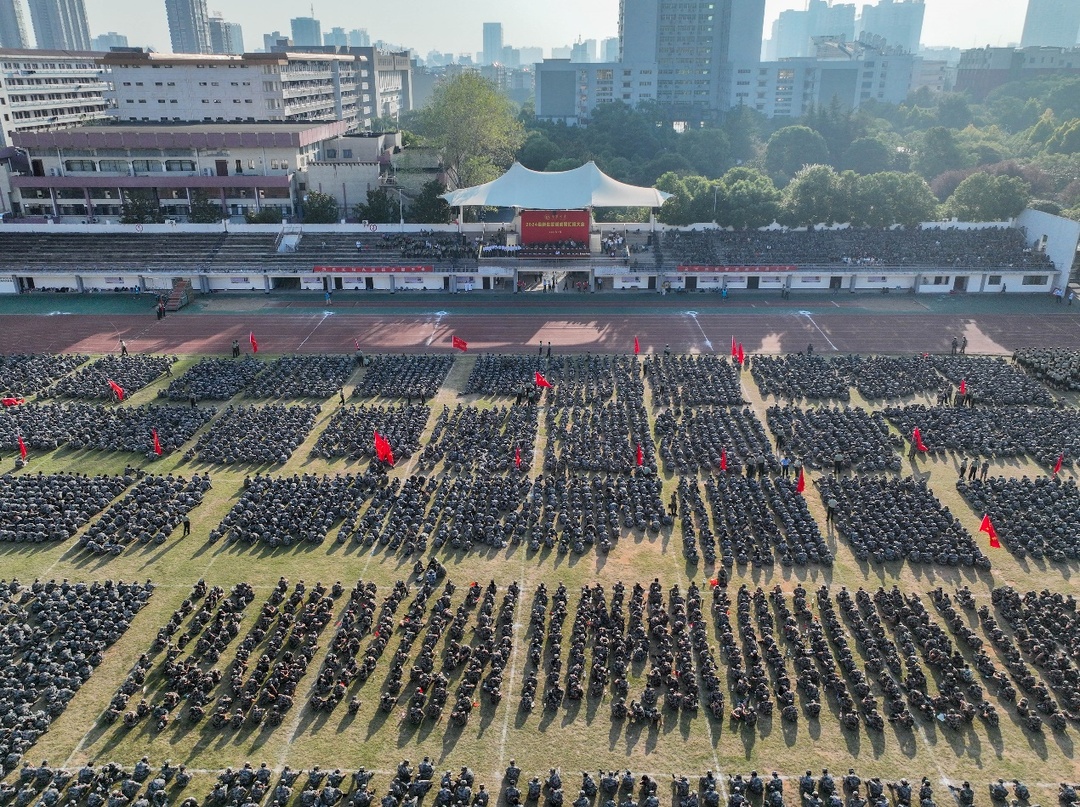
888 198
268 215
982 197
791 148
204 210
707 150
320 208
428 207
677 209
473 125
868 155
939 153
141 206
381 207
818 195
747 198
537 151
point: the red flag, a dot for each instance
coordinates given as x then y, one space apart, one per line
714 581
157 443
254 344
963 386
723 459
988 528
742 354
116 388
541 381
517 457
916 438
640 455
734 349
383 452
12 401
356 343
1057 465
460 344
22 447
637 347
801 484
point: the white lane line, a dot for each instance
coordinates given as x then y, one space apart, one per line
435 327
325 315
693 316
818 327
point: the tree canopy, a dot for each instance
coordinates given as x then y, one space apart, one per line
320 208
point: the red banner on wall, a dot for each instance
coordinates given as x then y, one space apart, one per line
372 270
744 269
550 226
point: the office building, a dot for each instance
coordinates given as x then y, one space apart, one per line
493 42
1051 23
336 37
793 32
60 24
898 22
568 92
306 32
189 26
984 69
693 45
43 89
531 55
358 38
109 41
609 49
13 25
276 39
226 37
579 53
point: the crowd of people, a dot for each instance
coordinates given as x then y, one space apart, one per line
838 439
53 507
712 440
1039 517
988 248
130 371
612 438
1058 367
147 514
996 434
799 376
23 374
886 520
301 377
888 377
430 246
492 440
255 435
213 379
55 637
991 381
681 382
403 376
350 432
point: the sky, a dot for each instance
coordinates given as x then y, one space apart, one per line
426 25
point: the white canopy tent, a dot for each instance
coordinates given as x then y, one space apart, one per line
584 187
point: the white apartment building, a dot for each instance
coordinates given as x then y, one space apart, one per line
252 87
569 91
49 89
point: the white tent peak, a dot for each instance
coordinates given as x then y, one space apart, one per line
576 189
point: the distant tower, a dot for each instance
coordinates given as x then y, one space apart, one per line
493 42
60 24
12 25
1051 23
189 26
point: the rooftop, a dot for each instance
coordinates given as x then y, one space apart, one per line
177 134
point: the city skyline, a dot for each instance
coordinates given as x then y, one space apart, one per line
961 23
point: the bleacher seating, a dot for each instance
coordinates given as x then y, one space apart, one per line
109 251
384 249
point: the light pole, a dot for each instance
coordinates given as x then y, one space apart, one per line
401 209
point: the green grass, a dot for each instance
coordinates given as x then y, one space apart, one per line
575 738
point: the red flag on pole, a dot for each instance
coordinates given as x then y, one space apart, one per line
742 354
356 343
517 457
637 346
383 451
116 388
254 344
12 401
916 438
723 459
734 349
157 443
801 484
963 386
541 381
460 344
22 447
988 528
1057 465
640 455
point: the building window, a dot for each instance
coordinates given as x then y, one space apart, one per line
79 165
179 165
346 153
993 280
1035 280
113 166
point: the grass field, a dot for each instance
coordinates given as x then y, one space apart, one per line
578 736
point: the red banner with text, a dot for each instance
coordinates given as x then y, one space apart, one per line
552 226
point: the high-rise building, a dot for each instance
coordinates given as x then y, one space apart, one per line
336 37
12 25
225 37
189 26
493 42
274 39
1051 23
898 22
609 49
358 38
109 41
532 54
693 45
794 30
306 31
60 24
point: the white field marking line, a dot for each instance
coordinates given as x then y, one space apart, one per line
513 663
325 314
693 316
435 327
810 317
